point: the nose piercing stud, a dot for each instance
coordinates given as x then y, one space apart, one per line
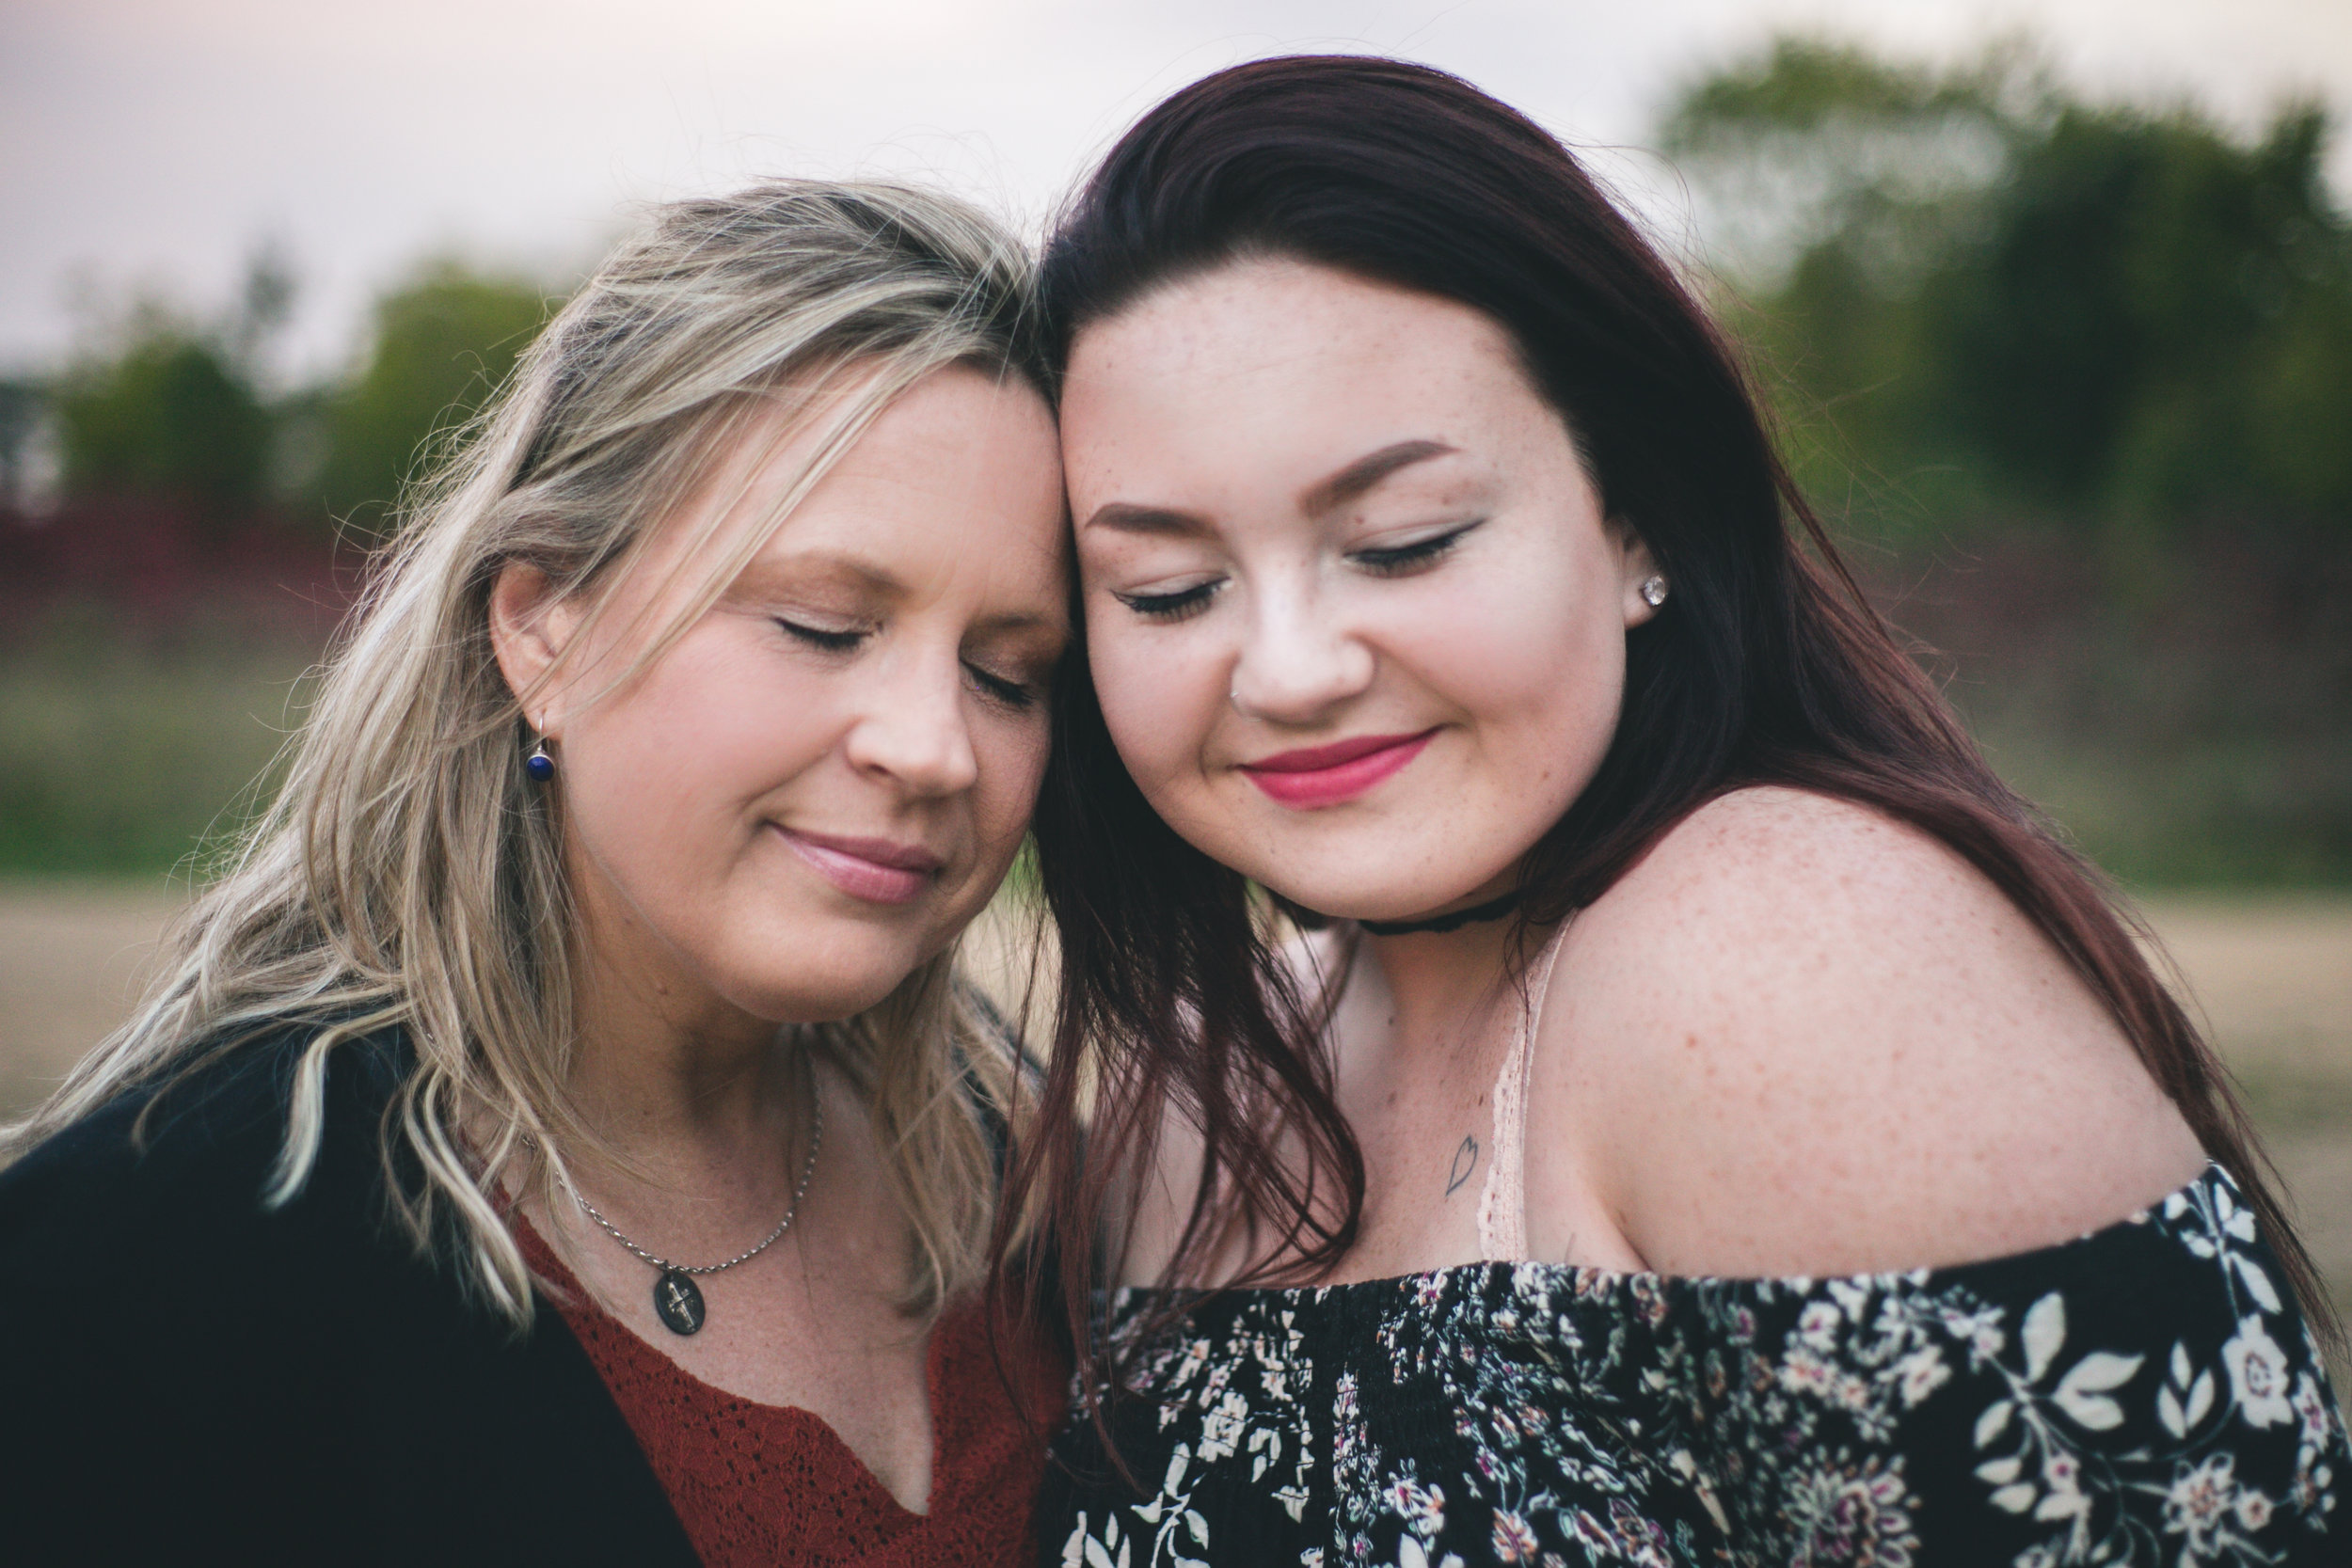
1653 591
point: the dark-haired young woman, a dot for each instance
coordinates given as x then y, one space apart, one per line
1707 1117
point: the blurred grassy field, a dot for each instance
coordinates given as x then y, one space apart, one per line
121 748
2271 973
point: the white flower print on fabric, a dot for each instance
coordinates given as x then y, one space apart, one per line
2259 1373
2033 1411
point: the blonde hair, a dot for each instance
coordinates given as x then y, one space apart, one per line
408 875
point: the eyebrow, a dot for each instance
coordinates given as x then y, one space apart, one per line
876 579
1023 619
1318 497
1365 472
1127 517
763 571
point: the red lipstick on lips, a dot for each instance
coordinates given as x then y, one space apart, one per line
1316 776
874 869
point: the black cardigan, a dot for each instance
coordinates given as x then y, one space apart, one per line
188 1377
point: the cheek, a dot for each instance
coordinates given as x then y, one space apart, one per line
1528 658
1011 756
1537 657
661 772
1160 692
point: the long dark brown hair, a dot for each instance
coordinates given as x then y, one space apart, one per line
1769 668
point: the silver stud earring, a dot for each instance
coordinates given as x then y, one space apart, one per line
1653 591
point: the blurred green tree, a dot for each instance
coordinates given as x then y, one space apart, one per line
2085 370
172 413
2001 297
172 408
441 345
2108 340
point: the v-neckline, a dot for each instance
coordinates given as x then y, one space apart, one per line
577 1302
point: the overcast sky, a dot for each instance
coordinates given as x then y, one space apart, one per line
149 144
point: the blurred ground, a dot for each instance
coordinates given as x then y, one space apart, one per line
71 957
2272 975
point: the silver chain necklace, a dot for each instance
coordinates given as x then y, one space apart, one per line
678 1301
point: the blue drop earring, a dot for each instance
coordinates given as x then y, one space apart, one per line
540 765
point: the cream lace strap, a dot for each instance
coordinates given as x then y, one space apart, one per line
1502 1202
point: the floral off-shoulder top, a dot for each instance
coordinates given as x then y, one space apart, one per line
2146 1395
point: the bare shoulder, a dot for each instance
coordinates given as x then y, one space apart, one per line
1802 1038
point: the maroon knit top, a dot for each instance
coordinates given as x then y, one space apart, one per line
766 1483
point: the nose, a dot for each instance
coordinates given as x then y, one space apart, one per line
913 730
1297 661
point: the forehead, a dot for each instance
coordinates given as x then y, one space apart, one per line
959 442
960 476
961 463
1281 363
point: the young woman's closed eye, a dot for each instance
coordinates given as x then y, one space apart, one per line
1387 560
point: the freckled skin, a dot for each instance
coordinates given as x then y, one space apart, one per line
1796 1039
1228 396
1807 1039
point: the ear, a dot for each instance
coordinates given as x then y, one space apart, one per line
528 630
1636 566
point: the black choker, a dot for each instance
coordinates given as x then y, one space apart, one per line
1439 925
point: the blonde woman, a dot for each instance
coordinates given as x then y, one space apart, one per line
558 1136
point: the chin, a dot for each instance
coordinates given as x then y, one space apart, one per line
1353 899
822 986
813 999
1388 868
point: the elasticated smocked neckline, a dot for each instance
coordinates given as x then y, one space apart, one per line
2148 1391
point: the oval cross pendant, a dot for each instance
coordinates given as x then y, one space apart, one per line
678 1302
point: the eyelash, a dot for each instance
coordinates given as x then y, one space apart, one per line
1405 557
1180 606
1187 602
997 689
1011 693
822 640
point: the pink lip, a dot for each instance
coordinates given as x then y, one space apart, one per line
874 869
1315 776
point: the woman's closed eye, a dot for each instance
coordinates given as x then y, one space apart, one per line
1010 691
1174 605
1178 604
829 639
1397 560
